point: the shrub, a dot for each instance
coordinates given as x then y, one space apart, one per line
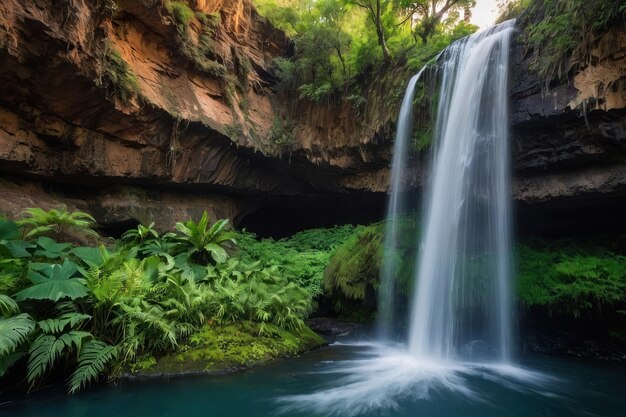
570 279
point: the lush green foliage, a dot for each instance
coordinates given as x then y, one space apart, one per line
351 277
575 279
232 346
301 258
564 277
337 41
100 310
116 75
561 32
56 222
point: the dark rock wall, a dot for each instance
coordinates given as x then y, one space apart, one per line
189 140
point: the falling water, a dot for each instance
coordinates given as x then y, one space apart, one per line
396 205
460 324
461 302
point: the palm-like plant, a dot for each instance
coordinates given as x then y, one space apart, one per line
204 242
140 234
56 222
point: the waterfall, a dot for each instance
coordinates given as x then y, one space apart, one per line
387 289
460 323
461 306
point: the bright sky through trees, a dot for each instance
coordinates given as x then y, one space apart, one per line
484 13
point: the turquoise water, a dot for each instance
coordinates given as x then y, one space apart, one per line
567 388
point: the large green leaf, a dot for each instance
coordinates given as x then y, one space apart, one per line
9 230
49 248
13 332
54 282
93 359
10 245
217 252
92 257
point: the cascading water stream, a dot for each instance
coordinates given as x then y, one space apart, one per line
396 205
460 324
461 305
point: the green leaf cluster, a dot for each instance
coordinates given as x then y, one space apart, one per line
572 279
301 258
98 310
338 43
352 275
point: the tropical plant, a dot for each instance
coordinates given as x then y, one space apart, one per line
10 244
56 222
15 332
141 234
53 282
252 292
203 242
93 359
95 310
14 255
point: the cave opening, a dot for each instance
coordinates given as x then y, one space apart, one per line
285 216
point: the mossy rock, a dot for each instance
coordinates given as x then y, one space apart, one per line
352 275
222 349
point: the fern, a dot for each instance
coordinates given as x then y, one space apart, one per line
58 325
93 359
203 242
47 348
14 331
56 222
8 306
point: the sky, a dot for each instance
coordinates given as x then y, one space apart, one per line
485 13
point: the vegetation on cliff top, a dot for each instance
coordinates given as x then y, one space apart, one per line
561 33
338 41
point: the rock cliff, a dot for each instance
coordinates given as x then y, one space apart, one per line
139 109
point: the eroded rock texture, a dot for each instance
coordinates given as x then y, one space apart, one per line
123 110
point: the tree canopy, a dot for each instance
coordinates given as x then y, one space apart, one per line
336 40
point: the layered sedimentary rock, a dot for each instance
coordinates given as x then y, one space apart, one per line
135 110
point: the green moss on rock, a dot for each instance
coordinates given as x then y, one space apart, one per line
219 349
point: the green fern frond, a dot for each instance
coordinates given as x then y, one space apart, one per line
47 348
8 306
14 331
93 359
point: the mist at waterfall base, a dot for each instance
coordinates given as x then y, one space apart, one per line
460 322
581 390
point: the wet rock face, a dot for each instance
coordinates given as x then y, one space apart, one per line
569 142
105 100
